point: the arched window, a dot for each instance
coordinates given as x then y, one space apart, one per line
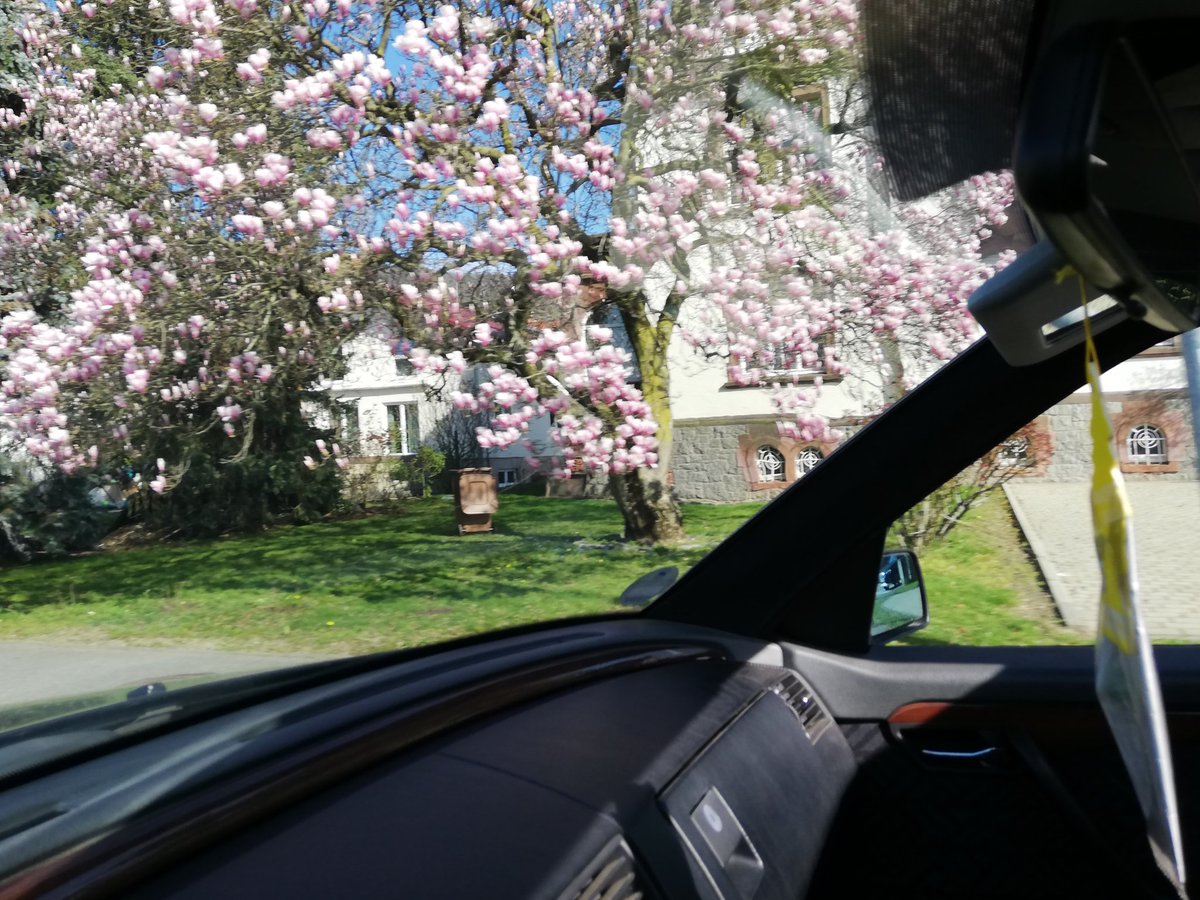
770 464
1147 445
807 459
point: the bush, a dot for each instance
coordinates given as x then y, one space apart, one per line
216 497
264 484
420 470
49 513
941 511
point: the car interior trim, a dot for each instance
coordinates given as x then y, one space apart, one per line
182 827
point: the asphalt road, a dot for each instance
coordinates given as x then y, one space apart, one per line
31 671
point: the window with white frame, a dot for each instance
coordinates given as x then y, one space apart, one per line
1147 445
506 477
404 432
807 459
778 359
770 464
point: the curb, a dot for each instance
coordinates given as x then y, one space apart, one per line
1058 590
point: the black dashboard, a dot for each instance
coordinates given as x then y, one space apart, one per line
700 777
613 759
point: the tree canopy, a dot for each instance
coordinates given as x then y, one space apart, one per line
255 177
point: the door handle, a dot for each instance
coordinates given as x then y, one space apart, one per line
981 753
955 748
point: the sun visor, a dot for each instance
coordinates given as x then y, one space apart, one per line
945 79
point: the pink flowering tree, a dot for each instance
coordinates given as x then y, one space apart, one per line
154 331
642 165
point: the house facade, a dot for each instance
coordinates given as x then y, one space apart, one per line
384 412
728 446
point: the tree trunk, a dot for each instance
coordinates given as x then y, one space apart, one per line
647 502
648 506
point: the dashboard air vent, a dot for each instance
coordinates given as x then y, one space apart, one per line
610 876
796 694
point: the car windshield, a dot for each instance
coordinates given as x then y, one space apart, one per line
330 327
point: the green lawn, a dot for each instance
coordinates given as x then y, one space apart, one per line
407 578
983 587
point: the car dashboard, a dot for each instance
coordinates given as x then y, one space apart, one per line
612 759
698 776
620 759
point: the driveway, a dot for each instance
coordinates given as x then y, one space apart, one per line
1057 522
31 671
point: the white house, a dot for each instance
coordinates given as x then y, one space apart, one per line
386 411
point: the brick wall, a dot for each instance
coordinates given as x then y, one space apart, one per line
705 463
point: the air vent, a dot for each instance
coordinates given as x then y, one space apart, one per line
799 696
612 875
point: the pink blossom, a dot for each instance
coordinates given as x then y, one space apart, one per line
323 138
251 226
259 59
138 380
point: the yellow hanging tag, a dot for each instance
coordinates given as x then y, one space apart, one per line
1111 519
1126 679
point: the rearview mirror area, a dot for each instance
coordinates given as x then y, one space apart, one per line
900 603
1105 162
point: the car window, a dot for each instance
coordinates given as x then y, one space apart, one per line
1007 547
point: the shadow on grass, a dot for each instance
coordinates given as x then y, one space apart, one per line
383 559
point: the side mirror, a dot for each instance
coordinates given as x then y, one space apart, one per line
649 586
900 604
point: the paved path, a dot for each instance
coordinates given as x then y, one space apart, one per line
1056 519
31 671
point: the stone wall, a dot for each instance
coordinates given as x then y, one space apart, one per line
705 463
1071 449
1071 456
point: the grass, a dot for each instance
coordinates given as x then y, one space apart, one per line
984 588
351 586
407 578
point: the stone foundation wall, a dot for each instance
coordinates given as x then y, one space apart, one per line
706 465
1071 456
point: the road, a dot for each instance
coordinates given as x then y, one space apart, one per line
32 671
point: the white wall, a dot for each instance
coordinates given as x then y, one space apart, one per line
699 390
372 383
1144 374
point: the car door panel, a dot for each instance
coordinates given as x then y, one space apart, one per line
995 770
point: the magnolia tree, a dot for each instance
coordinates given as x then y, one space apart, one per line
155 332
277 162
